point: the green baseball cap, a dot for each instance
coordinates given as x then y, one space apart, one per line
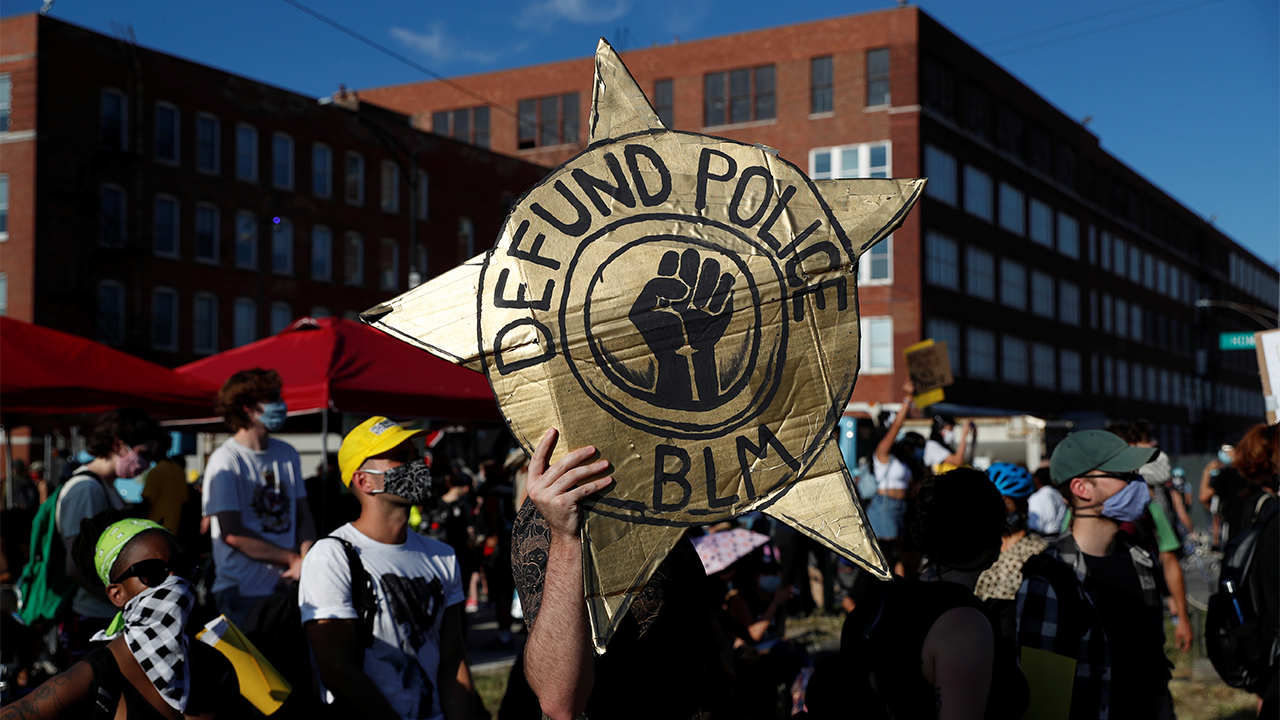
1089 450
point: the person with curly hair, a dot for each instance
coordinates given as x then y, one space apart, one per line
1257 458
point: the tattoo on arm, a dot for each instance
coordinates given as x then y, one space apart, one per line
43 702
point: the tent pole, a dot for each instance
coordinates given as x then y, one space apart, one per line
8 483
322 522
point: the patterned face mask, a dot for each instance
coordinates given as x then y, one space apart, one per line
153 623
411 481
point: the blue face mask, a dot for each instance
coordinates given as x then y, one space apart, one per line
1224 457
1128 504
273 415
770 583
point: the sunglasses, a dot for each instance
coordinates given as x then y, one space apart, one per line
153 572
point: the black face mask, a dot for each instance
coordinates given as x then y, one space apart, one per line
411 481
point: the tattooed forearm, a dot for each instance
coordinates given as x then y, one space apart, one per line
51 700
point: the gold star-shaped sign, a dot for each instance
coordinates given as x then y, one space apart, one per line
686 304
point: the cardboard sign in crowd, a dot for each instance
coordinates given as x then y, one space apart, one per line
686 304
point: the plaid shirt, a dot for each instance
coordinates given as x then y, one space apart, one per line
1042 624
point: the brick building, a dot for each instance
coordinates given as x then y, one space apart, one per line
175 210
1064 282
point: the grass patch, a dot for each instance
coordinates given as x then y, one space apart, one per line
492 685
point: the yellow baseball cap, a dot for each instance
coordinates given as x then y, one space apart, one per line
371 437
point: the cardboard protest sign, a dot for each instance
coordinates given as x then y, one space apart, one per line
929 367
1267 346
687 305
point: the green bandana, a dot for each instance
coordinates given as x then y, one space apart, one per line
113 540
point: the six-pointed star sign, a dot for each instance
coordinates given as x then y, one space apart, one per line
687 305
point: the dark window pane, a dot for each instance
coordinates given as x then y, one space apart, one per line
206 143
440 123
820 81
481 118
461 129
766 102
739 96
112 121
528 128
549 121
166 134
569 111
713 96
664 102
878 77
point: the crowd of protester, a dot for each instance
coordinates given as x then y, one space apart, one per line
381 556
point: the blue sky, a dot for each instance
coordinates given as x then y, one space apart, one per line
1187 92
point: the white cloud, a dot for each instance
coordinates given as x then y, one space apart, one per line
438 45
545 13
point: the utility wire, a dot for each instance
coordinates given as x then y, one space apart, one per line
1113 26
1069 23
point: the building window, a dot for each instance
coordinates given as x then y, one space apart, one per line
980 356
282 161
282 247
941 261
4 294
547 121
466 239
865 160
877 77
948 332
246 240
1162 277
390 187
1148 271
204 337
1122 318
4 206
1104 250
1107 321
1013 284
1135 321
468 125
353 259
166 226
1012 210
321 171
1043 366
977 193
739 96
664 101
1042 294
388 265
354 179
321 253
1108 377
167 133
940 168
6 101
207 143
939 88
246 152
114 123
424 194
979 273
245 322
821 84
1135 263
110 312
1068 236
1041 223
1138 390
164 319
1069 367
1069 303
206 233
1013 360
320 311
281 316
877 334
1166 396
111 228
1092 236
875 267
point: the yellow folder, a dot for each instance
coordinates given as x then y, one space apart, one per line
260 683
1050 677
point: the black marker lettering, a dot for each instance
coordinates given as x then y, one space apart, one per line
760 449
534 248
520 302
764 233
592 186
704 174
544 339
578 227
632 154
709 461
740 192
661 478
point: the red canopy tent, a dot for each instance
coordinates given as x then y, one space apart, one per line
345 366
45 372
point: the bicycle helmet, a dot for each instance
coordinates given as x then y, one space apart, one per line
1011 480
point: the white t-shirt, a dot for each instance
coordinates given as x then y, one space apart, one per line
935 453
1046 510
415 582
892 475
265 488
83 496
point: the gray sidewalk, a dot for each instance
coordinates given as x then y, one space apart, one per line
483 653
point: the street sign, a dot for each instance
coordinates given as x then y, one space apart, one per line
1236 341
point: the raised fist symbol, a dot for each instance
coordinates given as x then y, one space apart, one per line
682 314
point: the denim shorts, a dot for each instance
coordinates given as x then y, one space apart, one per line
886 515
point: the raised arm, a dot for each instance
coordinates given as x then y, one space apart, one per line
890 435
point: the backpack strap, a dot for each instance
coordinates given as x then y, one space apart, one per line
364 594
107 683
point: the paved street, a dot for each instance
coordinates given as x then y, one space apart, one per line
482 650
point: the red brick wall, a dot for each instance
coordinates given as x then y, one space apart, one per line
18 161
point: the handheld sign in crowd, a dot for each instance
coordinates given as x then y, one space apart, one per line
687 305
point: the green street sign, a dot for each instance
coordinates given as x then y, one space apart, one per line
1235 341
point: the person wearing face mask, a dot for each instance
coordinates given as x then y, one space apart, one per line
149 669
1002 580
413 666
255 494
1111 621
121 446
947 448
763 656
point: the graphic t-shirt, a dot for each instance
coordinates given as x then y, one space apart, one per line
265 488
84 496
415 582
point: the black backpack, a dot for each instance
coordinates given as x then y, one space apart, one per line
1242 651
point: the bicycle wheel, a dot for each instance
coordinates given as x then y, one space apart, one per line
1200 575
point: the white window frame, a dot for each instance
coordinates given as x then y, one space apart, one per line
940 168
177 134
177 224
244 333
979 194
205 299
327 276
252 263
1012 209
389 281
389 188
6 103
288 182
885 248
251 153
287 270
347 278
217 144
358 200
123 228
276 307
124 118
869 345
863 167
217 231
120 306
982 354
172 346
324 189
